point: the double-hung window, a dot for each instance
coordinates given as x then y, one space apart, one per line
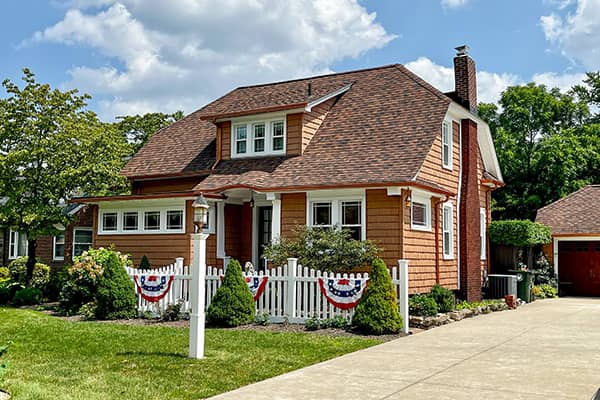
17 245
447 144
258 138
482 232
447 231
130 221
351 218
321 214
420 212
82 240
151 220
58 247
341 214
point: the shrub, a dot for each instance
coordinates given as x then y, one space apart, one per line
115 292
88 311
233 304
377 312
543 272
521 233
145 263
54 286
338 322
18 273
27 297
263 319
444 298
422 305
4 273
323 249
5 296
312 324
538 293
549 290
172 312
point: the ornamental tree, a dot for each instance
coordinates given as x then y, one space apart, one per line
51 149
138 129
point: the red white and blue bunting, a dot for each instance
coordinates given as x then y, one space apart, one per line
153 288
343 293
256 284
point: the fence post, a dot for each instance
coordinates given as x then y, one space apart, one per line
403 272
290 290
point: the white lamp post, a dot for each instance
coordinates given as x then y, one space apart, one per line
198 289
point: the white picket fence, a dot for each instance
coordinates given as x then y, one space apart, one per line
292 292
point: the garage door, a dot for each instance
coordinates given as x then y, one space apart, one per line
579 264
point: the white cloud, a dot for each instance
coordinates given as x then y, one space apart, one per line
182 53
576 34
489 85
453 3
562 81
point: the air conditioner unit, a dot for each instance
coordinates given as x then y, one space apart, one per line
502 285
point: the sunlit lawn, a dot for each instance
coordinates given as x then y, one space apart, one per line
55 359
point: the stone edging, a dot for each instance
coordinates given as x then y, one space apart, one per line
453 316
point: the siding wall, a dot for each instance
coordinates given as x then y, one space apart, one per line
224 133
384 224
293 146
485 202
293 212
164 185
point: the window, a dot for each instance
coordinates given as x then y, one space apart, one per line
421 213
241 135
130 221
342 214
447 231
447 144
17 245
482 234
258 138
152 220
58 252
351 211
82 240
109 221
174 219
277 129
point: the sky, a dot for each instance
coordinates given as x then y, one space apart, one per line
138 56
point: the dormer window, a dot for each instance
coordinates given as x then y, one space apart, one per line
258 138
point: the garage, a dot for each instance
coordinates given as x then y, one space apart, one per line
579 267
575 251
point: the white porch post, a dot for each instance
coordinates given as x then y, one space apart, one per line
403 270
197 296
276 217
220 229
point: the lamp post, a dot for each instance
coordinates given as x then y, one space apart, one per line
197 288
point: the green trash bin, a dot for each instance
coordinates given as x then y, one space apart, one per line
524 285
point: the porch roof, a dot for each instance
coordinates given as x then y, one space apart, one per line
166 195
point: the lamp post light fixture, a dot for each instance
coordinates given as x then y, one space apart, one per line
197 285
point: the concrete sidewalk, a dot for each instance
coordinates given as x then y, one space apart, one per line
546 350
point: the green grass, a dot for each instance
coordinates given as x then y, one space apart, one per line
55 359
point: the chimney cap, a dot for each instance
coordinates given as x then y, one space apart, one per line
462 50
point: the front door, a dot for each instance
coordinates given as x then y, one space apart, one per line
265 217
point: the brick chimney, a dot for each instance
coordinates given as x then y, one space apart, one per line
465 80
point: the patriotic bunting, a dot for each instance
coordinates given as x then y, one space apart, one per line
153 287
256 284
343 293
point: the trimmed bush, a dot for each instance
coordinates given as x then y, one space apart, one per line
444 298
145 263
521 233
5 296
18 273
422 305
377 313
233 304
27 297
549 290
115 294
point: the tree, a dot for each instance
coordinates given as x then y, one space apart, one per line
51 149
540 145
138 129
589 92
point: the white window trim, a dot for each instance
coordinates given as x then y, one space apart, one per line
79 228
450 144
140 211
483 232
422 199
268 151
54 256
448 255
13 240
336 201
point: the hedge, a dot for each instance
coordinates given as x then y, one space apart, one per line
522 233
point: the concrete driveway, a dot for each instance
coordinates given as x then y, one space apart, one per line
546 350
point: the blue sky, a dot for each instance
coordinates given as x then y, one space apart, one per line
136 56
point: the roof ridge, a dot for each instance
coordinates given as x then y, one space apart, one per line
316 76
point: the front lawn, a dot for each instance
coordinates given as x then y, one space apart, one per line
51 358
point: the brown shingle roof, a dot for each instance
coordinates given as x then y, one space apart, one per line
379 131
578 213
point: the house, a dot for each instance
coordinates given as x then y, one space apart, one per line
55 251
378 151
575 249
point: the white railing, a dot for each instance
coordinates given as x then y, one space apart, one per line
292 292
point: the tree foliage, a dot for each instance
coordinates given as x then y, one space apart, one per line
51 149
520 233
138 129
233 304
546 147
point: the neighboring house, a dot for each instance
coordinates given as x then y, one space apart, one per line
378 151
575 249
55 251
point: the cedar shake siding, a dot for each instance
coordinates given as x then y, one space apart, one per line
293 212
293 145
164 185
224 137
384 224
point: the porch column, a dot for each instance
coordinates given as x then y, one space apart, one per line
276 220
220 229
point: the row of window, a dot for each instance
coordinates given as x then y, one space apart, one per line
150 221
346 214
259 138
82 241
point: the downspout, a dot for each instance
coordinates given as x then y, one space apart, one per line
458 201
